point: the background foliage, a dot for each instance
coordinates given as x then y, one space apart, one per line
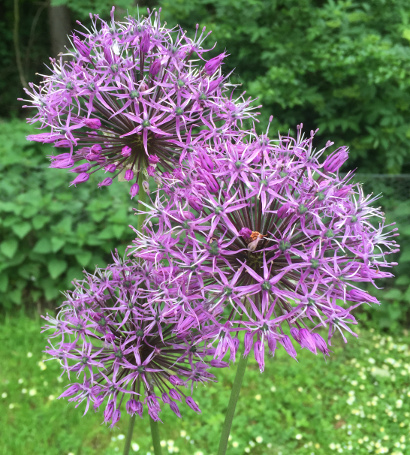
49 232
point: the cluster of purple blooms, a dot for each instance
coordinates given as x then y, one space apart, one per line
275 243
123 342
128 99
246 241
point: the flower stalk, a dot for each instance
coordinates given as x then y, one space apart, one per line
230 412
155 437
129 435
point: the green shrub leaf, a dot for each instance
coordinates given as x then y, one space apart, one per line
9 247
22 229
56 267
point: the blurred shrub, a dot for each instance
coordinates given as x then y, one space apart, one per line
341 66
394 294
49 232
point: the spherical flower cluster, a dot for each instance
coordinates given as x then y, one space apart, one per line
275 242
117 336
127 98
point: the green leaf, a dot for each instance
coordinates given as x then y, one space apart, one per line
106 234
405 256
56 267
22 229
39 221
9 247
43 246
406 34
4 282
15 296
118 230
51 291
83 258
57 243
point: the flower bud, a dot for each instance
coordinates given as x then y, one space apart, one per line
195 203
81 168
287 344
175 380
93 123
153 159
126 151
174 395
115 417
110 168
155 68
74 388
174 407
145 42
134 190
307 341
106 182
191 403
212 65
109 409
81 178
334 161
96 148
82 48
131 406
129 175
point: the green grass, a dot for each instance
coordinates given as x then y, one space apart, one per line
356 402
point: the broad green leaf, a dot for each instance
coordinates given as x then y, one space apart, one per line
43 246
22 229
39 221
57 243
56 267
9 247
83 258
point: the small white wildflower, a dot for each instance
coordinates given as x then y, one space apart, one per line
4 395
32 392
298 436
29 354
135 447
259 439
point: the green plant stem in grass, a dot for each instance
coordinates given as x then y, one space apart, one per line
230 412
129 435
155 436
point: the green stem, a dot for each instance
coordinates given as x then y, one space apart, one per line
129 435
155 436
230 412
142 196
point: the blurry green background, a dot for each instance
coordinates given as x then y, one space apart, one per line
341 66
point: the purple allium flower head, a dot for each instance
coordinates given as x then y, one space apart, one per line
278 250
130 90
120 337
